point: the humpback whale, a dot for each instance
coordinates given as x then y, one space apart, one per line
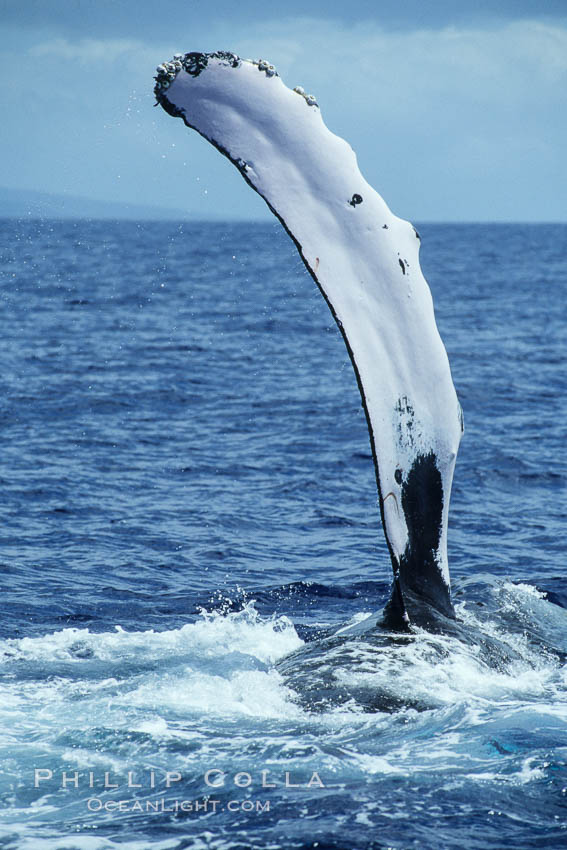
365 262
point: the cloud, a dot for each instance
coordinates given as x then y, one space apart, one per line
99 54
85 51
495 62
411 62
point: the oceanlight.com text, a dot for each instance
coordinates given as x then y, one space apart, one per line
162 806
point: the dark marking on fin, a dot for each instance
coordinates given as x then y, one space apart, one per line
461 419
402 266
195 63
393 495
356 199
422 503
384 227
230 58
169 107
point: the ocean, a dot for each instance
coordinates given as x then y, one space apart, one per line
188 495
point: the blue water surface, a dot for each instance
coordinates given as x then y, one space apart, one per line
188 495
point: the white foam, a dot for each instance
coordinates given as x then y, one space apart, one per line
250 693
213 635
441 670
521 589
88 842
163 685
528 772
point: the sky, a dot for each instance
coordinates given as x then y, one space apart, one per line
457 110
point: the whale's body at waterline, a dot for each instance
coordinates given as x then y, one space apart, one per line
365 262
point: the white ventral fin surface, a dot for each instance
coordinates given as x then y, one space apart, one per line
365 262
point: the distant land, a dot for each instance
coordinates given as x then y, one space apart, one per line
23 203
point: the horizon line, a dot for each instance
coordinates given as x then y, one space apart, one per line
254 221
